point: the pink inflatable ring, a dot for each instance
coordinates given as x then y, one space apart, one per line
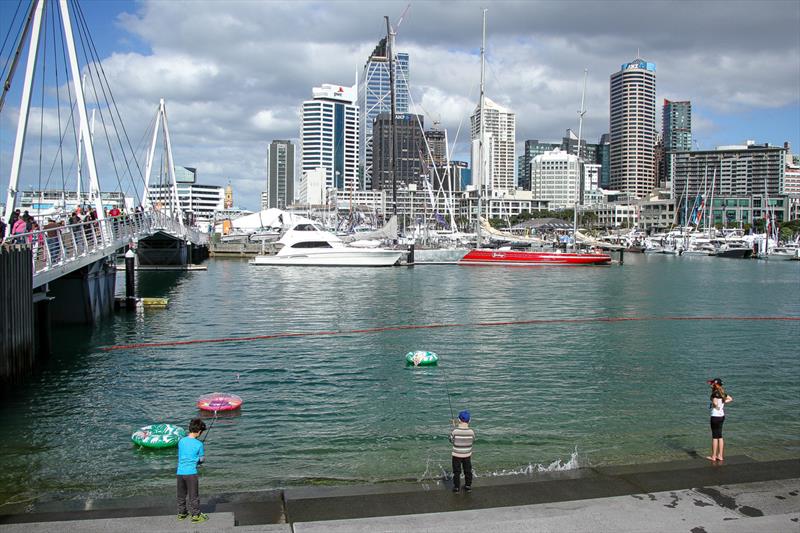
219 401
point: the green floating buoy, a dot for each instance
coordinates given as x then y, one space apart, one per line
158 436
421 358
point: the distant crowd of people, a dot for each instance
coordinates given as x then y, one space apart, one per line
59 230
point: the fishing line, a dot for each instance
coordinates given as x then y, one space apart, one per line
544 321
446 377
203 440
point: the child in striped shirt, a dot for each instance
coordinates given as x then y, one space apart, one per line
462 437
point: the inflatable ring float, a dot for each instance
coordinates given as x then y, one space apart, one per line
219 401
420 358
158 436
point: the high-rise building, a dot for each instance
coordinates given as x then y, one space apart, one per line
437 144
280 174
677 125
409 139
633 128
604 159
676 131
499 128
329 135
554 177
374 98
569 143
533 148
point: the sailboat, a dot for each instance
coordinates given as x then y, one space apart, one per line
506 255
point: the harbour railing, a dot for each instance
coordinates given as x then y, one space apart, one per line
62 249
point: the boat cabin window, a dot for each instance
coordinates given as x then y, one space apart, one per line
312 244
305 227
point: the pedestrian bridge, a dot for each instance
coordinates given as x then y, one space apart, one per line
59 251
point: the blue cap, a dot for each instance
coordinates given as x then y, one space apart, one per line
464 416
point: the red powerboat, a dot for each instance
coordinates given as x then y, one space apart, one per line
484 256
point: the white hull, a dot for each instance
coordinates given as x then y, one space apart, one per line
439 255
777 256
333 257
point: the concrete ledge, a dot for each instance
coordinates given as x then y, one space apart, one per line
320 504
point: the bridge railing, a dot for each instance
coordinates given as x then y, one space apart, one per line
55 248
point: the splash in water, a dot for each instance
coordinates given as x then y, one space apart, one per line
556 466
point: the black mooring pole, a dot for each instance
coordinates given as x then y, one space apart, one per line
130 280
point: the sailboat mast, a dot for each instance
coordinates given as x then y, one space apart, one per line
580 176
392 156
481 118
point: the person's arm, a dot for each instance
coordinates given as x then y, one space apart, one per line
728 398
201 453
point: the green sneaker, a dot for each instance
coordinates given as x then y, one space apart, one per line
183 516
198 518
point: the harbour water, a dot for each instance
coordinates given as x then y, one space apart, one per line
340 406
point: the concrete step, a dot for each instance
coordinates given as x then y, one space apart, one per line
151 524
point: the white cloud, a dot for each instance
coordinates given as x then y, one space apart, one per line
234 74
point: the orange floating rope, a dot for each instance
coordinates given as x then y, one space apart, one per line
403 327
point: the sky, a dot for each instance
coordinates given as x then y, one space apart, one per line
234 73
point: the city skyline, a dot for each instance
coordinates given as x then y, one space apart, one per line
227 103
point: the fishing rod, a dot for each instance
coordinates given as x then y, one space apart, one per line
203 440
450 403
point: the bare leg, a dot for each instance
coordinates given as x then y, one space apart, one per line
714 450
721 449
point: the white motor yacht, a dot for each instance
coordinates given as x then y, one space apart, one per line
308 244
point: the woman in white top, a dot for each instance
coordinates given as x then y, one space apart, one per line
718 400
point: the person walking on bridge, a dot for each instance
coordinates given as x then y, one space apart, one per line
462 437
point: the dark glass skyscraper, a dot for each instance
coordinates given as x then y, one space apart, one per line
280 174
374 98
410 150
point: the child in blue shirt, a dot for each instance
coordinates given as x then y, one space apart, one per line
190 454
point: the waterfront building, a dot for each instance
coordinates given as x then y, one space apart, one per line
329 135
554 178
47 202
312 187
657 212
791 177
501 205
742 179
410 151
532 148
591 177
280 174
374 98
633 128
198 202
616 214
499 127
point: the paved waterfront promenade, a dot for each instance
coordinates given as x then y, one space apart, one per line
693 496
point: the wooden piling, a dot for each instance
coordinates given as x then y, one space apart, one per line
17 341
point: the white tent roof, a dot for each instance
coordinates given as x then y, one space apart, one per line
268 218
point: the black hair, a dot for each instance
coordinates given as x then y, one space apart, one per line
197 425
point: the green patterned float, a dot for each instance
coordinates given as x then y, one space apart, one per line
158 436
420 358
